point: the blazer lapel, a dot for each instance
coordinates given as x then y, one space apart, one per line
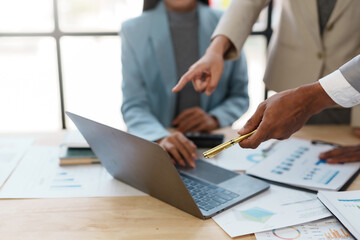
204 36
164 52
340 6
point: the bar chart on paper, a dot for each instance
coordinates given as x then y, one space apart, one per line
63 180
296 163
339 233
39 176
325 229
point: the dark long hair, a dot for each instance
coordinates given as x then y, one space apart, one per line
150 4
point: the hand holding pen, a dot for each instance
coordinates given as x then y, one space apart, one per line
214 151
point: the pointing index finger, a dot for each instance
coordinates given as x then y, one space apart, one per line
187 77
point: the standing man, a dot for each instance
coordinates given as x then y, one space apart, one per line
313 39
284 113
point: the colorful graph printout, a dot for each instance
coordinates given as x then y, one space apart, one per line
329 228
296 162
275 208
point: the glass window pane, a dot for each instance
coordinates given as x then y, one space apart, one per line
92 78
96 15
255 51
26 16
29 93
260 24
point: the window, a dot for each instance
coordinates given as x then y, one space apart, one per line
92 78
61 55
29 93
64 55
19 16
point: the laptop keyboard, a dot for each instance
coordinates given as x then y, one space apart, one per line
207 196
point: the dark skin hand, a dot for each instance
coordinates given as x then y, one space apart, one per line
180 149
342 154
195 120
284 113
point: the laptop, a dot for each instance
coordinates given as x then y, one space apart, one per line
202 191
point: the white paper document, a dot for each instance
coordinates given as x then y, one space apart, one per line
324 229
237 158
11 151
275 208
296 163
39 176
346 207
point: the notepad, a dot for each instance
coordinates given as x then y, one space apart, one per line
74 156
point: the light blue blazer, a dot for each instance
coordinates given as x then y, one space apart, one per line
149 74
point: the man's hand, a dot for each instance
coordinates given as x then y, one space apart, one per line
206 72
195 120
284 113
180 149
342 154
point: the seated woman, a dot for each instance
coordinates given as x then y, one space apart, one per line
157 48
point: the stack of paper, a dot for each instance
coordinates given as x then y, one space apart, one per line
346 207
275 208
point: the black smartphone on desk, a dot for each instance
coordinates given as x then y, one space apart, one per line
205 140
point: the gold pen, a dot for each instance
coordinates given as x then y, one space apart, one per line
214 151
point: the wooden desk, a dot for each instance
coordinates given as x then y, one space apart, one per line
124 217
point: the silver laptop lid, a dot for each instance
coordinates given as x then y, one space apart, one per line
137 162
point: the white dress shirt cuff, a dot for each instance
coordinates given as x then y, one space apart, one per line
340 91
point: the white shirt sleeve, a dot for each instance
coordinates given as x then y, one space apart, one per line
339 89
